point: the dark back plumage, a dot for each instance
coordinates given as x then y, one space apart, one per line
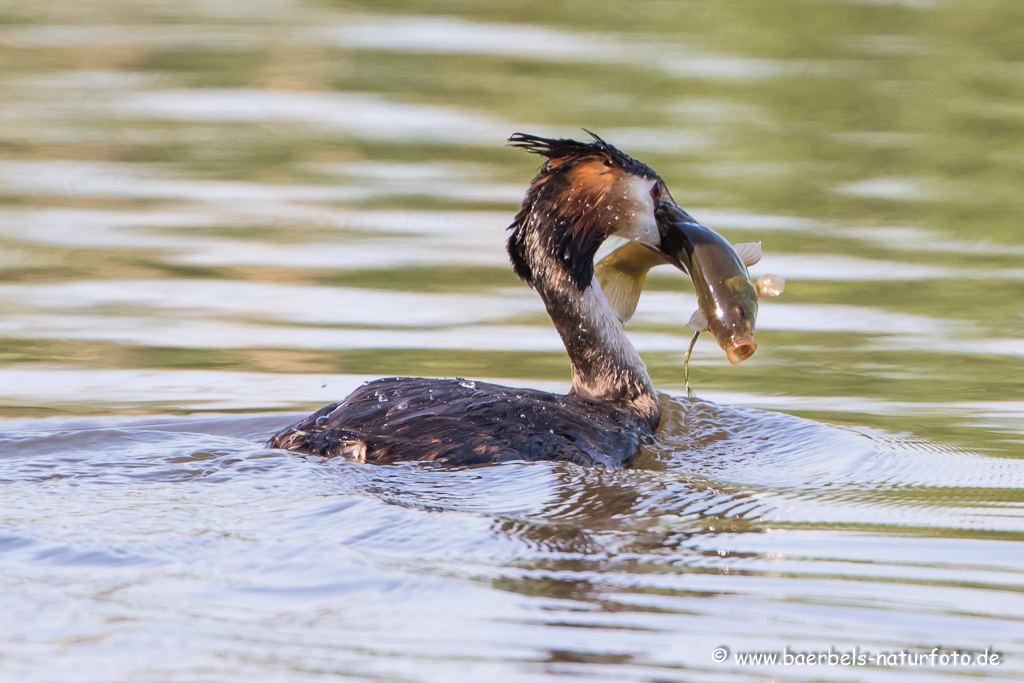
466 423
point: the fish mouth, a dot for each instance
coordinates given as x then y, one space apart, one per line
740 349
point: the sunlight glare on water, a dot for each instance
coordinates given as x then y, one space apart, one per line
217 216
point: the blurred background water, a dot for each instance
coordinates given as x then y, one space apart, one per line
216 215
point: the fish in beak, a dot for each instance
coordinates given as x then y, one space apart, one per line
726 296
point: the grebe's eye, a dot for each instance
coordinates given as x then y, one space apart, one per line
656 191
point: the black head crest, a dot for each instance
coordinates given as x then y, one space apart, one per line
566 149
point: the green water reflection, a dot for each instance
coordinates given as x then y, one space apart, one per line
878 133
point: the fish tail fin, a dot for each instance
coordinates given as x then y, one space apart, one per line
622 290
621 275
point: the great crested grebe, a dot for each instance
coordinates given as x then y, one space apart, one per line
584 193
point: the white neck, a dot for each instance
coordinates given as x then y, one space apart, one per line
605 366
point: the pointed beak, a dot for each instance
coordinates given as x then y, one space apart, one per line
673 224
668 214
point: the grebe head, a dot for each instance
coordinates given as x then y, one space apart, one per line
585 193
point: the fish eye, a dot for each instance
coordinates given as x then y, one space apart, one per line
743 314
656 191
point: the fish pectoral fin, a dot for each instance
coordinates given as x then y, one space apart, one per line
698 322
770 285
749 252
621 275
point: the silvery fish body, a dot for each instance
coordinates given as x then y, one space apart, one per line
726 296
